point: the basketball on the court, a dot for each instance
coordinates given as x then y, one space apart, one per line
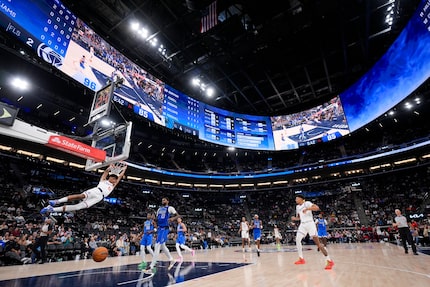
100 254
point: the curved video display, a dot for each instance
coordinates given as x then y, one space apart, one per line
403 68
66 42
322 123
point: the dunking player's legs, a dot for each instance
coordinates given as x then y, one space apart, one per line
89 198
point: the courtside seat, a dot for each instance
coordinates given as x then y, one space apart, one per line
235 241
171 244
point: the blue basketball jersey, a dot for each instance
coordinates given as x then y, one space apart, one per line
163 216
322 227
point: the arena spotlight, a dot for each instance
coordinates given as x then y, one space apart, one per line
20 83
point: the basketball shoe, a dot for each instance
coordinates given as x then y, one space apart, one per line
172 263
329 265
300 261
53 202
150 270
47 209
142 265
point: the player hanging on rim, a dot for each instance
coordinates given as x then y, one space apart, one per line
108 181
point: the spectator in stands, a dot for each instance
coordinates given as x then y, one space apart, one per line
121 245
2 242
165 215
426 240
108 181
67 238
415 229
307 226
54 240
39 247
12 251
405 234
92 244
3 228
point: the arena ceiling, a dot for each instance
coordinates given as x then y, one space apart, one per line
261 58
267 58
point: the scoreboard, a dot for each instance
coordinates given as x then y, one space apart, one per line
238 130
215 125
45 26
64 41
181 112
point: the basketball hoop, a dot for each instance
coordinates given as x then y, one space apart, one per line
117 167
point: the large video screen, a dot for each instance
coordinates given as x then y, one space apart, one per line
233 129
403 68
216 125
63 40
322 123
181 112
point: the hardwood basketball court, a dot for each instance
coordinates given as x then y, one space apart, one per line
358 264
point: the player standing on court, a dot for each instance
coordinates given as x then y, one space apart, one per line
145 243
278 236
321 224
307 226
165 215
257 226
244 233
180 239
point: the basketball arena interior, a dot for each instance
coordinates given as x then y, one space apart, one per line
229 109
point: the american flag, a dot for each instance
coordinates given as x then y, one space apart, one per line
209 18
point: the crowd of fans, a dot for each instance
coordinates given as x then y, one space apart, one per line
358 209
360 214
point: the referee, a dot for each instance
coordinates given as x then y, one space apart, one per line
404 231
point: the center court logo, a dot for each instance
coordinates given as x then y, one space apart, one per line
49 55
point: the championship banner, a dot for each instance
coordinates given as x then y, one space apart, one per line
77 148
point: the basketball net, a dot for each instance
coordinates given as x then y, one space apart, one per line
117 167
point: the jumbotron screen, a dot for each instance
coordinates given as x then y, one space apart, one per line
67 43
400 71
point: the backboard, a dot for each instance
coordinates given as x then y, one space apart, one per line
116 142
